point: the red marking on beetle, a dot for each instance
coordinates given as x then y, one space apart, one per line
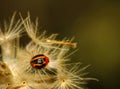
39 61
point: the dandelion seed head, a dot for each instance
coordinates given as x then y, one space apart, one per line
44 63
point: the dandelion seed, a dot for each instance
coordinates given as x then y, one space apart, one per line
71 78
8 35
11 31
66 81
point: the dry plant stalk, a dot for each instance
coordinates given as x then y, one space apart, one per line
43 64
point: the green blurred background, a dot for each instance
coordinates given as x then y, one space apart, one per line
95 24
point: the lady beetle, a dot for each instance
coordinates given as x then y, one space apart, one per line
39 61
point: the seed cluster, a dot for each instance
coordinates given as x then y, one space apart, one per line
44 63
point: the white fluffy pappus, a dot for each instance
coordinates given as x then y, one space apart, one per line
57 73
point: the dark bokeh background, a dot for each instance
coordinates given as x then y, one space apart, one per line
94 23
